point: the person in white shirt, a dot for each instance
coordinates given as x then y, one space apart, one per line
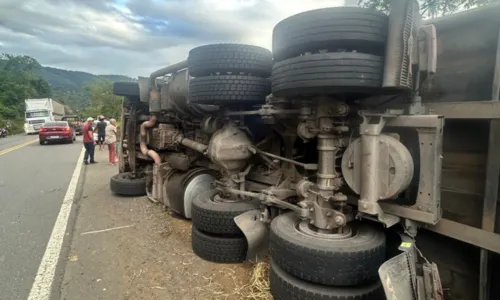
110 140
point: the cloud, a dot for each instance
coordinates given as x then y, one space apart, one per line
135 37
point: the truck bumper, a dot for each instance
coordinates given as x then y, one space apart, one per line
30 130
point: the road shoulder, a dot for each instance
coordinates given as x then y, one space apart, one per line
130 248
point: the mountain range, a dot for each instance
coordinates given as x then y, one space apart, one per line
60 79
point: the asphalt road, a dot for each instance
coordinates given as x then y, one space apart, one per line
15 140
33 183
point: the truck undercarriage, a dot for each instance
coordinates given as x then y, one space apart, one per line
313 152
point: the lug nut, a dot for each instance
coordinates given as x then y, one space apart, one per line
311 222
339 220
329 214
311 209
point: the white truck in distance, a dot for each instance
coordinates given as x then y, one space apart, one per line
39 111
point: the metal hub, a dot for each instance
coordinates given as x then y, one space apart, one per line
305 228
218 199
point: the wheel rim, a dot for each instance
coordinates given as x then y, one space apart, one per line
305 228
196 186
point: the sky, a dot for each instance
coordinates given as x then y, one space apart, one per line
136 37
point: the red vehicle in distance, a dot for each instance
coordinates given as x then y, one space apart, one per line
56 131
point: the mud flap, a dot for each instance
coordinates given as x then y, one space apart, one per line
398 275
400 278
256 233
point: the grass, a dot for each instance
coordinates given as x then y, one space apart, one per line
16 126
258 288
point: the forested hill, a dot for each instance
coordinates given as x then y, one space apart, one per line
71 80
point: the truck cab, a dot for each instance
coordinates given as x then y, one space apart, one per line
39 111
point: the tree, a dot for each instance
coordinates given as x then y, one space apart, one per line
430 8
19 81
102 100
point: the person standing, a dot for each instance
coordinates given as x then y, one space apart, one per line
101 131
111 141
88 141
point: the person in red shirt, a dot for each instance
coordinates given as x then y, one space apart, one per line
88 142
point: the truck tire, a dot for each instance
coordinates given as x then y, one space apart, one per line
336 262
217 248
230 58
284 286
122 184
218 217
229 90
328 73
351 28
126 89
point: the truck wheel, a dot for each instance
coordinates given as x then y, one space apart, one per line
125 185
284 286
218 249
126 89
218 217
351 28
326 259
229 90
230 58
328 73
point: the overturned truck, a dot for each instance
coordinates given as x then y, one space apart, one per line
362 153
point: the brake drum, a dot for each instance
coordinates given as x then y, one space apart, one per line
395 167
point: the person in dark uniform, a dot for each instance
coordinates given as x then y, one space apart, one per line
101 131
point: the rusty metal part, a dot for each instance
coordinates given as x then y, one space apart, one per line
178 161
164 136
202 148
229 148
154 101
144 148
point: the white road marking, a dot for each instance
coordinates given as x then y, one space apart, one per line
42 285
104 230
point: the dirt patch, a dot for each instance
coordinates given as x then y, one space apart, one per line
166 268
151 259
